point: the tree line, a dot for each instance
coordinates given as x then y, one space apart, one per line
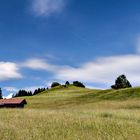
120 82
21 93
75 83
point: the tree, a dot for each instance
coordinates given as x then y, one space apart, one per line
121 82
21 93
38 90
78 84
1 94
29 93
67 83
55 84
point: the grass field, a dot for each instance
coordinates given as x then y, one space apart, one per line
75 114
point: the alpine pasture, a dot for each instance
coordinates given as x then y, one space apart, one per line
73 113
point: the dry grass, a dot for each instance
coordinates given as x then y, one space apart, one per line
57 115
32 124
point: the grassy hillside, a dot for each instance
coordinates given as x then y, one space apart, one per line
75 113
58 97
76 97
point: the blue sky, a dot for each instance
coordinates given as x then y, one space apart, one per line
58 40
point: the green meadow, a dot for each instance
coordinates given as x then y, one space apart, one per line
74 113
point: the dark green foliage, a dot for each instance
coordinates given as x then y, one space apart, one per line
78 84
23 93
55 84
121 82
38 90
67 83
29 93
0 93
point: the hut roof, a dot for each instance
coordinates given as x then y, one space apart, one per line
12 101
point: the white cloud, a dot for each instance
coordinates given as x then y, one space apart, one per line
47 7
9 70
39 64
103 70
9 96
94 87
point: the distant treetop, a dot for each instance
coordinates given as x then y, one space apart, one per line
67 83
55 84
121 82
78 84
0 93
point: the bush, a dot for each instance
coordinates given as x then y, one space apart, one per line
55 84
78 84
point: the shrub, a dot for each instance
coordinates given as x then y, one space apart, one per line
78 84
55 84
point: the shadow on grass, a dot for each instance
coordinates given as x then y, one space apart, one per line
105 95
90 97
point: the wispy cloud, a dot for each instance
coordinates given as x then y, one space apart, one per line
39 64
103 70
138 44
47 7
9 70
11 89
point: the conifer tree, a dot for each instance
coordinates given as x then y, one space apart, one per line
0 93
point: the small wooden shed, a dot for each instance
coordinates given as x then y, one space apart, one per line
12 103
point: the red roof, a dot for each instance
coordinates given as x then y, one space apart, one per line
12 101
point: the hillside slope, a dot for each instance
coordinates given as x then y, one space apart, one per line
75 113
61 97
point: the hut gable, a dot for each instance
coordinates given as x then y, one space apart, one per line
13 103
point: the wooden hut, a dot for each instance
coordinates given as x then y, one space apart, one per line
12 103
